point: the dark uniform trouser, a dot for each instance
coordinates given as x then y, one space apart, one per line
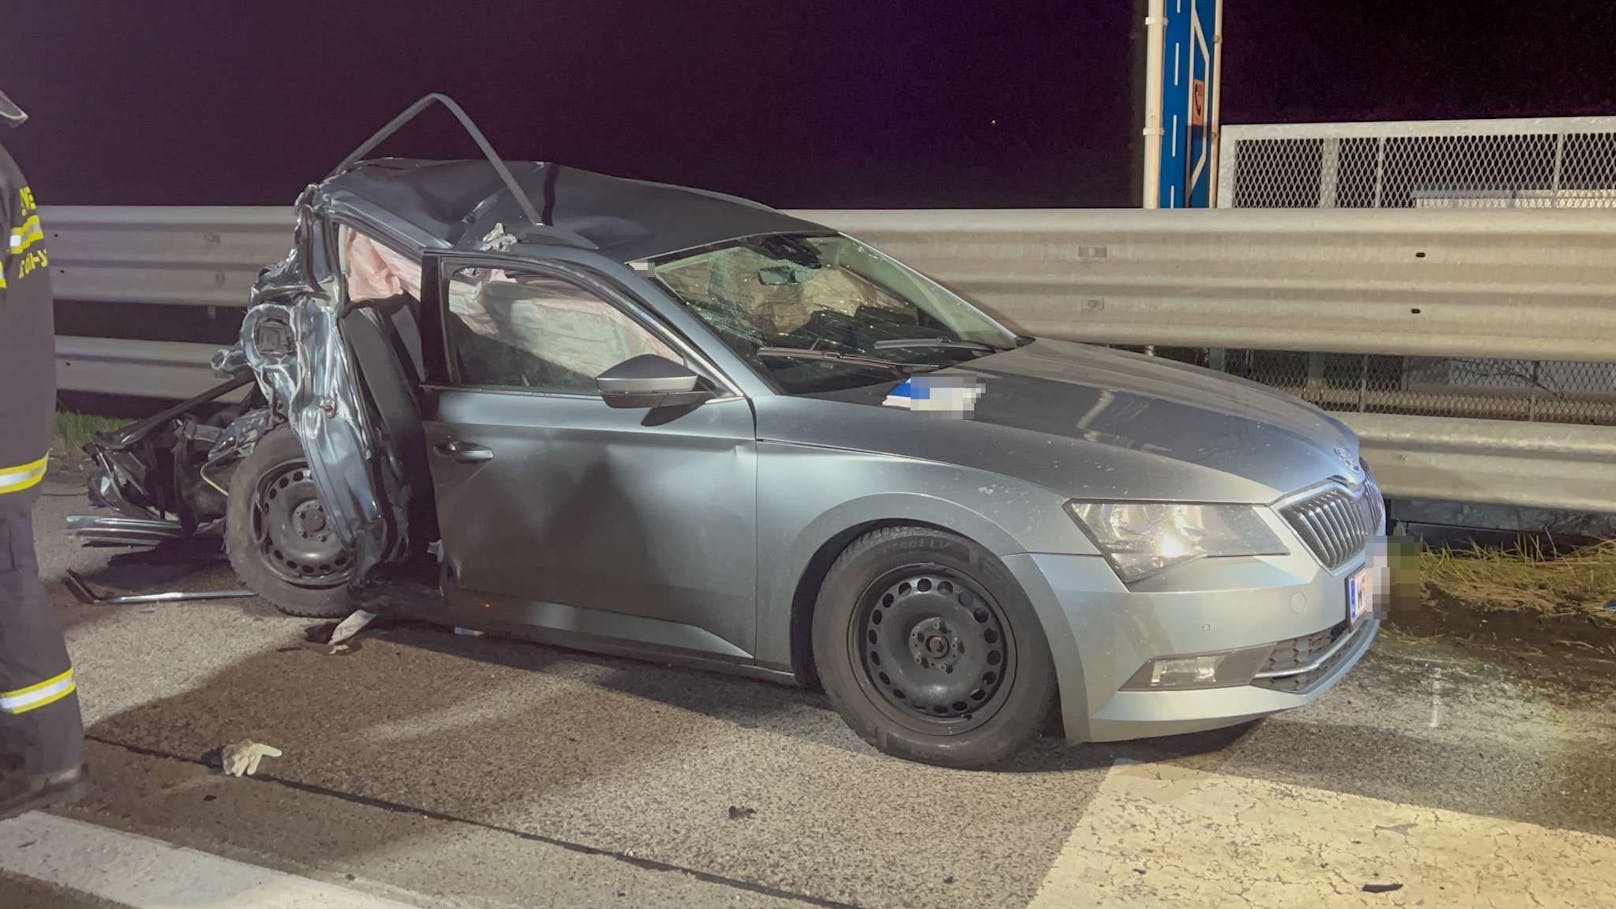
39 706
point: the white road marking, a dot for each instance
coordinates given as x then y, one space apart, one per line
1436 698
144 873
1164 835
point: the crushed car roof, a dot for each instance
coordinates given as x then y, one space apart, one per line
456 203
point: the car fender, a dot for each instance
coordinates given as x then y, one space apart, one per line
840 523
800 533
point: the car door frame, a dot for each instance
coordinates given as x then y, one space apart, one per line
635 635
438 365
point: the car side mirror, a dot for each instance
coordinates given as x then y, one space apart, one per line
651 381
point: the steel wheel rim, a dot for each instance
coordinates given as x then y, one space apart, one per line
932 649
291 531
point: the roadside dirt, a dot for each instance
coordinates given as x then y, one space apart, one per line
1574 649
1441 613
1526 599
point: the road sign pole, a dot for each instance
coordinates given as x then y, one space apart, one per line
1214 179
1155 35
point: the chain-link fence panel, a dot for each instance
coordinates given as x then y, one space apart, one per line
1546 163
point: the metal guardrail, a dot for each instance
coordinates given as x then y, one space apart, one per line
1535 465
1514 283
1505 284
201 255
153 369
1527 284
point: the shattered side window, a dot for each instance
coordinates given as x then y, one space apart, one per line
538 332
724 285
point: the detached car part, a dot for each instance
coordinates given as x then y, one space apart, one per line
84 593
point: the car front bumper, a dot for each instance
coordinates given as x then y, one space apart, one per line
1101 633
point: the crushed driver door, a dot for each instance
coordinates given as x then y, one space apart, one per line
292 338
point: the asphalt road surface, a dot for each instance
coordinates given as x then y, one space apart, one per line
425 768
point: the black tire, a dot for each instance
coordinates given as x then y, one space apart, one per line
275 534
956 631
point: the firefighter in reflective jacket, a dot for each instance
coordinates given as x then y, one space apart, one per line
41 734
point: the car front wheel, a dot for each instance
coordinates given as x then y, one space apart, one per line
278 536
930 650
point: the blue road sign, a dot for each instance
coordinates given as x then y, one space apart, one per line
1188 87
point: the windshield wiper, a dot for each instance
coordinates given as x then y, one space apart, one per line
955 343
803 353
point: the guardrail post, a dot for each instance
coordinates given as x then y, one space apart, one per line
1228 138
1559 165
1329 171
1531 397
1380 169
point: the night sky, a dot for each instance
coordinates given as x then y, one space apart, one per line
823 104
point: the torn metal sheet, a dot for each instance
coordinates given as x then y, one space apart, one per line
291 339
122 529
84 593
147 470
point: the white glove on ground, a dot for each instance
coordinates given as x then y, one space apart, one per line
241 759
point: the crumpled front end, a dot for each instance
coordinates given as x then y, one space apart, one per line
165 476
292 340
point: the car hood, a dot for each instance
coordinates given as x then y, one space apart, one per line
1091 421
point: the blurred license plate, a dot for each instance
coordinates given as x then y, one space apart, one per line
1360 594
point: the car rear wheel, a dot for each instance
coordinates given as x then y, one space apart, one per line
278 536
930 650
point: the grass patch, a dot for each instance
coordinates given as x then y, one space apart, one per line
1528 579
75 429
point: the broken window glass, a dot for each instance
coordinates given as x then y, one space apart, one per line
824 293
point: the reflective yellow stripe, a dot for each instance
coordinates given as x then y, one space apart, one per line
25 234
65 690
16 479
38 686
36 696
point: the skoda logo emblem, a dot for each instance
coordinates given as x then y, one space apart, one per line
1346 458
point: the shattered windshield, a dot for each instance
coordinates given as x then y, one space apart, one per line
818 313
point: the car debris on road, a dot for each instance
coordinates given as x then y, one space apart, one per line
84 593
350 626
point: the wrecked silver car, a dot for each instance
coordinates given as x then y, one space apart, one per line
655 421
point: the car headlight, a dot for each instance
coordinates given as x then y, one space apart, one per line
1140 539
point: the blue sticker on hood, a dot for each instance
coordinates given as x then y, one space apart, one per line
937 394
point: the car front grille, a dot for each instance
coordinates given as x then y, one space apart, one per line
1297 665
1337 524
